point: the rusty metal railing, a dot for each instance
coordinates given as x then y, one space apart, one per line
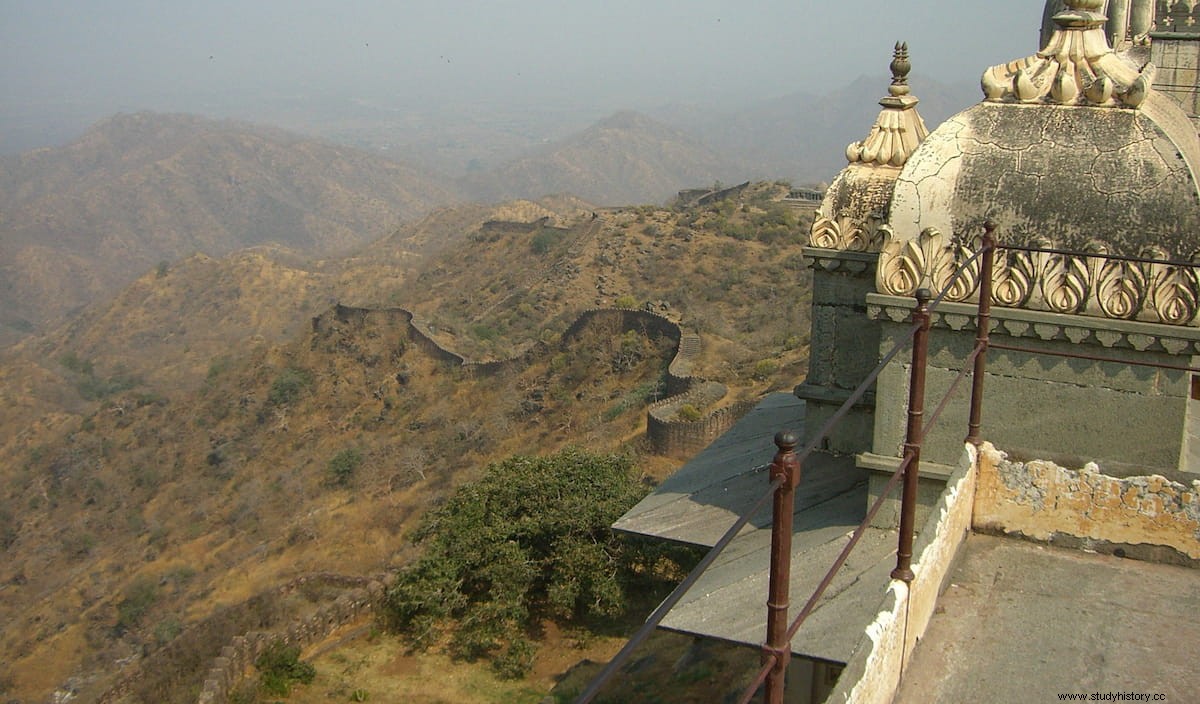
784 477
777 650
786 469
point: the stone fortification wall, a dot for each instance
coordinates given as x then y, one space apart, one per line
666 433
669 435
514 227
692 197
175 667
235 659
1149 516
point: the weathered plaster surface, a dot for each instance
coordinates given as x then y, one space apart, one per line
873 673
1072 174
1041 500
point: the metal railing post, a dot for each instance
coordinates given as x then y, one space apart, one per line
912 442
983 323
787 467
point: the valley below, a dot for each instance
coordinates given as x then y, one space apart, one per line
229 424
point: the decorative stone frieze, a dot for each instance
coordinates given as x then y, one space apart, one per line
1086 284
1046 326
1177 16
841 261
844 234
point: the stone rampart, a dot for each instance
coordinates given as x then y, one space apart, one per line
665 433
235 659
670 435
514 227
178 665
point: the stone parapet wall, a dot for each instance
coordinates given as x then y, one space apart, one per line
172 668
669 435
1044 501
873 673
235 659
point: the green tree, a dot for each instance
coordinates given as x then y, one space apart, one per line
528 541
343 465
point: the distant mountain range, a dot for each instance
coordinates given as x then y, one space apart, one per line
81 221
625 158
135 191
802 136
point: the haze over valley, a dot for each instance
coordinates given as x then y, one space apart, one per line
276 279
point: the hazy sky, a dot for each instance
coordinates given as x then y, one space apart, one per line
176 54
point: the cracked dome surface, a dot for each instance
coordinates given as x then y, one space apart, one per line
1071 174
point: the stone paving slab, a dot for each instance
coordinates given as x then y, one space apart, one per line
699 502
1024 623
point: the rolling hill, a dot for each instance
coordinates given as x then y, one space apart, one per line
81 221
171 450
625 158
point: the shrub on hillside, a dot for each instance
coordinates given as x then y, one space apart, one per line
288 385
139 597
544 240
528 541
343 465
280 667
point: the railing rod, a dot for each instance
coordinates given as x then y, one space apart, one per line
1115 257
761 677
810 606
752 688
962 374
953 277
674 597
1094 358
983 328
856 395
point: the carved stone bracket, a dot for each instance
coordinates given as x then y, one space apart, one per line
852 263
1075 284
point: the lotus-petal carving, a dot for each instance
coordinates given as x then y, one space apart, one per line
1064 283
1013 275
825 233
1174 294
1120 288
1086 283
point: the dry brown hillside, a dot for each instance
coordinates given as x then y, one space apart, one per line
81 221
627 157
201 439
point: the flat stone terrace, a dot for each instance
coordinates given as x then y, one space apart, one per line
1021 622
704 498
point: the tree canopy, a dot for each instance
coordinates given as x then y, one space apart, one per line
530 540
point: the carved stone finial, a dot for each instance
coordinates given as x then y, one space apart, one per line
900 67
1076 65
899 129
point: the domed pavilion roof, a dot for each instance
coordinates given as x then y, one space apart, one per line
858 201
1071 144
